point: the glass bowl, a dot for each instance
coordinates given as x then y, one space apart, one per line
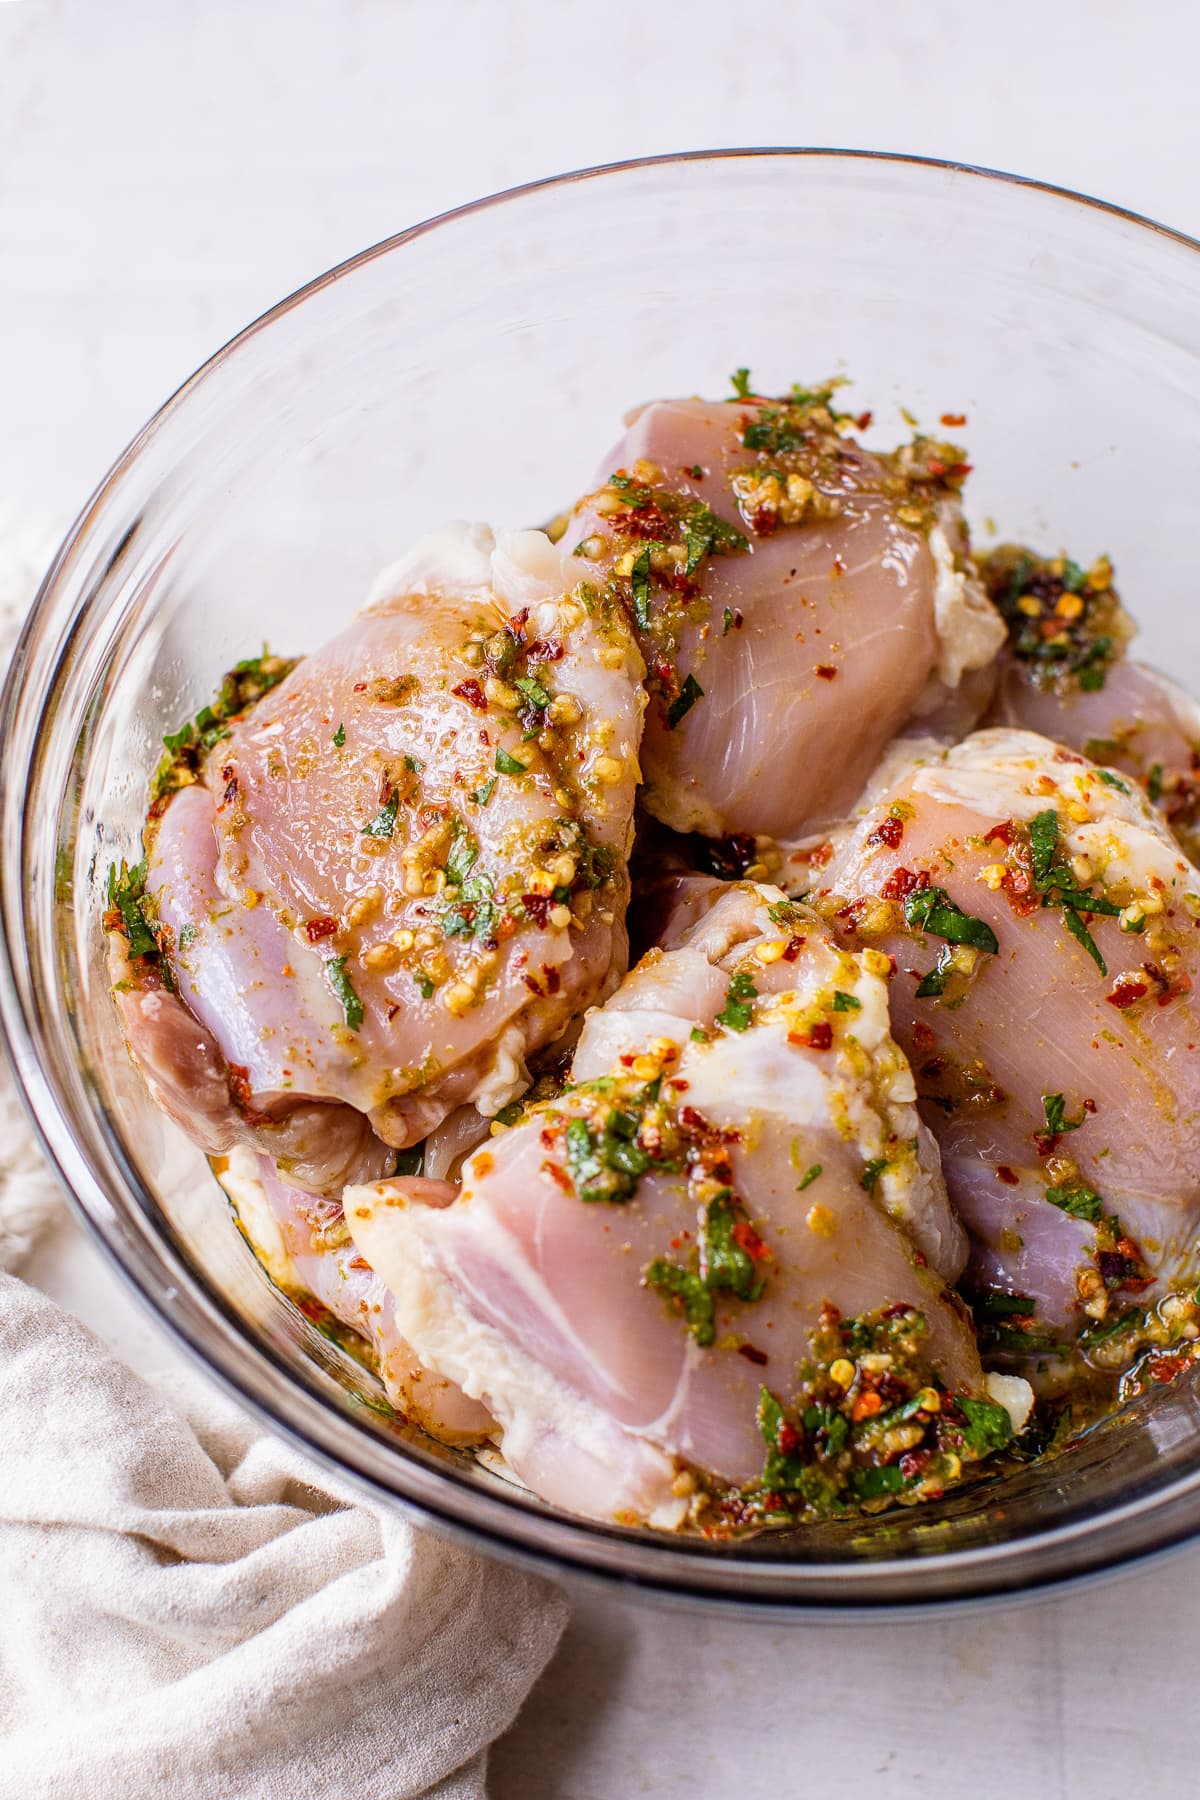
477 367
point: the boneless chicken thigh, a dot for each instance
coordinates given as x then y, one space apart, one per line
1065 673
796 599
651 1281
405 868
1043 925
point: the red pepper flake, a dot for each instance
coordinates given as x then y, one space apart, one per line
902 882
913 1461
538 907
472 693
863 420
757 1357
866 1406
1165 1365
818 1037
1008 1176
889 831
826 671
534 985
794 946
1126 990
923 1037
954 421
316 929
747 1239
787 1440
552 978
544 650
558 1176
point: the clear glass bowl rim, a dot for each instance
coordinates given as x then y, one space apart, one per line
669 1569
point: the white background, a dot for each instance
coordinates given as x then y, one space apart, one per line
168 169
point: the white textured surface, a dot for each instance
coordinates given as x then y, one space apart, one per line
166 171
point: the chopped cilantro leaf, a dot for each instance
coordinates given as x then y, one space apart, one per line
424 986
343 988
508 765
724 1261
810 1175
414 765
383 825
339 736
871 1484
738 1009
845 1002
934 981
697 1035
483 794
741 383
689 693
1112 781
931 910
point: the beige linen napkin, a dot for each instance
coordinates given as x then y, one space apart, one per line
187 1608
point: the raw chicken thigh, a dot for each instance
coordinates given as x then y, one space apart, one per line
796 598
1065 674
303 1243
405 868
653 1281
1044 927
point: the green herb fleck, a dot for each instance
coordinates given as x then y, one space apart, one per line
483 794
640 579
871 1173
741 384
1154 783
1112 781
687 1293
508 765
724 1262
533 691
343 988
464 849
988 1426
931 910
339 736
810 1175
424 986
1082 935
1079 1201
383 825
126 895
689 693
1057 1121
738 1009
845 1002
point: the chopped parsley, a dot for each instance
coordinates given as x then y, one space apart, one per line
810 1175
508 765
931 910
845 1002
740 380
383 825
483 794
933 982
343 989
605 1160
1112 781
988 1426
1058 887
339 736
689 693
186 748
725 1262
738 1009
